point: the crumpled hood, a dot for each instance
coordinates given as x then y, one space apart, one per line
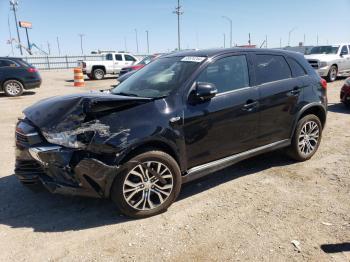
62 113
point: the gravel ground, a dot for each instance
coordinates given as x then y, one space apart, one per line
251 211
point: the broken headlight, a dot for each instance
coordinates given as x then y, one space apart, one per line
68 139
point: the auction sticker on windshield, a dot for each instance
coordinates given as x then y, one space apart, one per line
196 59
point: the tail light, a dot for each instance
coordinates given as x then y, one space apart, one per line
347 82
32 70
323 83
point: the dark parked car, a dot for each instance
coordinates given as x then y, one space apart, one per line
183 116
345 93
17 76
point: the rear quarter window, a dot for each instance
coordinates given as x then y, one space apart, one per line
297 69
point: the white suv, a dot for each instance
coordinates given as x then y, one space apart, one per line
112 64
330 60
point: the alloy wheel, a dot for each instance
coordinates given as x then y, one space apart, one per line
13 88
99 74
308 138
145 191
333 74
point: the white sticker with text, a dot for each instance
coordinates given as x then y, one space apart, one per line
196 59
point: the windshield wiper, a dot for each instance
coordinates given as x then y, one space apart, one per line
125 94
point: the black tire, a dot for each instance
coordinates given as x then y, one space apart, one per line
98 73
347 104
332 73
296 150
13 88
145 192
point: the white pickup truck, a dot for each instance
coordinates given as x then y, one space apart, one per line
112 64
330 61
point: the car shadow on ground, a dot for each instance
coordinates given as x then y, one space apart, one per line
93 80
25 93
338 108
21 207
336 248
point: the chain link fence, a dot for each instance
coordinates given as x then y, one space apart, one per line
62 62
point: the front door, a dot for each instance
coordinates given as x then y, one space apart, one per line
118 63
228 123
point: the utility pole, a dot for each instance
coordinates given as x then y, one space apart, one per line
230 21
81 43
125 46
289 33
265 41
137 42
14 5
280 42
224 40
317 39
304 40
147 41
48 47
8 23
249 40
58 46
178 12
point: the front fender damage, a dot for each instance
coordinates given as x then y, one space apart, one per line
90 177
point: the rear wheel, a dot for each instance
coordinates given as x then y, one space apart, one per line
98 73
306 139
332 74
148 186
13 88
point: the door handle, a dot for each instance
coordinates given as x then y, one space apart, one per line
296 91
250 105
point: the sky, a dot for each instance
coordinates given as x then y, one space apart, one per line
106 24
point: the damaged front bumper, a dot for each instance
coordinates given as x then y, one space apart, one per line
52 166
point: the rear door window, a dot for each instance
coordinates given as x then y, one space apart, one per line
7 63
269 68
118 57
297 69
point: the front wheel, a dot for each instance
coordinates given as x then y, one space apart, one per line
148 186
306 138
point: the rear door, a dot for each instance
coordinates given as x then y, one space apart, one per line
279 94
118 63
228 123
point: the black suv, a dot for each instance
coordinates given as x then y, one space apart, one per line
181 117
16 75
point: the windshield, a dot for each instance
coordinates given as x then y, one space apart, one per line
159 78
326 49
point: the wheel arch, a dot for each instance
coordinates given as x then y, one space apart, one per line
98 67
316 109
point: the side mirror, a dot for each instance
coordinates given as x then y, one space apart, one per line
204 91
343 53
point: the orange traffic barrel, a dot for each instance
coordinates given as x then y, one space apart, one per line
78 77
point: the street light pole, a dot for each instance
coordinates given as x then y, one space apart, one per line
137 42
178 12
147 42
224 40
81 43
290 32
230 21
58 46
14 5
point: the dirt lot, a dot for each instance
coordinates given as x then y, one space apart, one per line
251 211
